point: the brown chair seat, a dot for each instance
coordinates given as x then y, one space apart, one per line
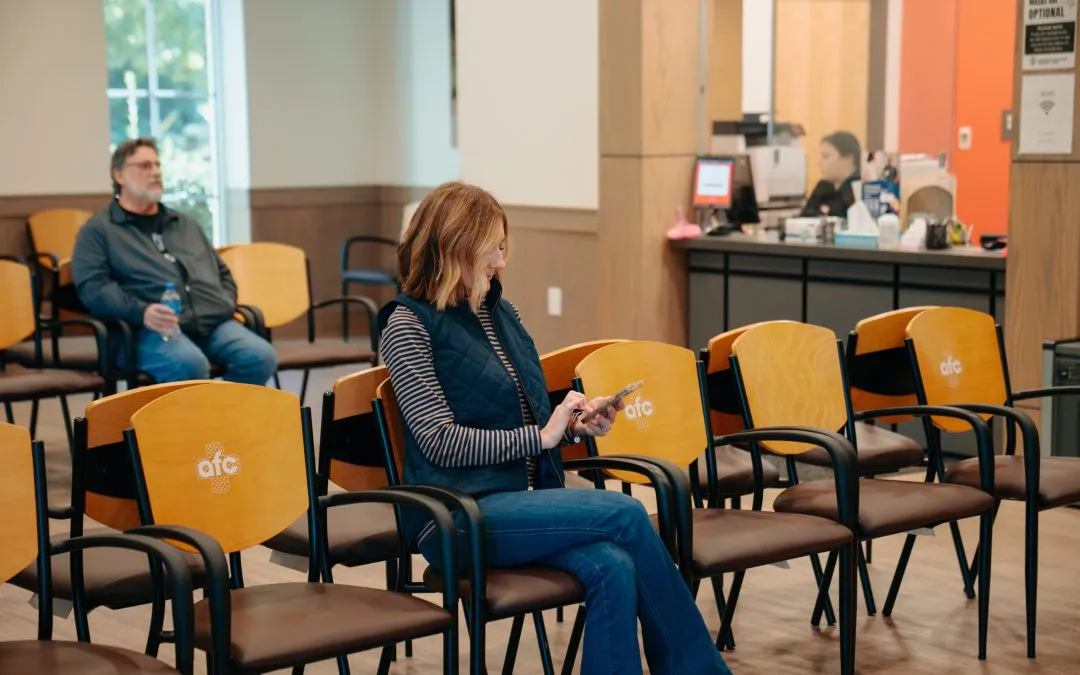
735 472
269 629
27 383
888 506
577 482
518 590
730 540
293 354
43 657
880 451
112 577
359 534
75 352
1059 478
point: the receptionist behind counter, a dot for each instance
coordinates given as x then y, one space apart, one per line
839 162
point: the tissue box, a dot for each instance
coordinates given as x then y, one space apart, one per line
855 239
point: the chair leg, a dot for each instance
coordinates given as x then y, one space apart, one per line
512 645
830 616
303 385
898 576
986 527
974 569
558 615
869 551
1031 570
384 661
9 412
728 641
34 417
297 670
343 662
823 602
725 637
864 580
965 573
575 641
848 607
542 641
344 312
67 423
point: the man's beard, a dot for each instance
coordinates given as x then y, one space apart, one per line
150 194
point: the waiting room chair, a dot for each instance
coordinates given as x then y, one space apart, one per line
792 374
237 462
668 418
24 516
276 279
35 381
103 490
493 594
959 357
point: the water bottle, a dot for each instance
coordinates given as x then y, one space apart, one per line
171 299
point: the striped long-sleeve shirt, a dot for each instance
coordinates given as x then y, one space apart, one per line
406 348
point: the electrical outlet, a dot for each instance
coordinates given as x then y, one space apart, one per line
554 301
963 142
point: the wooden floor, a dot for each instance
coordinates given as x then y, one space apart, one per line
933 628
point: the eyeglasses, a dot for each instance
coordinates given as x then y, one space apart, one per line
145 166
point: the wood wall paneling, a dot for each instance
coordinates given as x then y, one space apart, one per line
620 77
14 211
669 74
822 69
724 84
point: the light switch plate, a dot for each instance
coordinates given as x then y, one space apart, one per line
554 301
963 140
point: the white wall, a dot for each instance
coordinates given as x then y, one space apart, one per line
310 100
528 103
757 56
894 39
54 116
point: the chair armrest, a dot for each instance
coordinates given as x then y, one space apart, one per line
444 527
179 580
367 303
253 319
1029 436
13 258
840 450
1062 390
983 437
358 239
216 589
100 339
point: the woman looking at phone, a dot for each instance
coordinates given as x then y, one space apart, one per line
478 419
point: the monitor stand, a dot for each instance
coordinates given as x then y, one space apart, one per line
716 222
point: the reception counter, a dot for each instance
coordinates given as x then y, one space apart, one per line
741 279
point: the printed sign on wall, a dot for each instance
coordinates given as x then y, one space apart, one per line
1049 34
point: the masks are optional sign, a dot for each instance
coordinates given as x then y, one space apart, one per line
1049 34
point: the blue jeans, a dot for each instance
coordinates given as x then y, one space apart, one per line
247 358
606 540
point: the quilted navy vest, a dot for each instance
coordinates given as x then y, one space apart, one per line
480 392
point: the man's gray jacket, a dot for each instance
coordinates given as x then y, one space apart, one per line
119 270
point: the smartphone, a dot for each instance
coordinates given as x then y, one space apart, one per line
626 391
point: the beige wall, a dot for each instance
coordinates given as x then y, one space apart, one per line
54 118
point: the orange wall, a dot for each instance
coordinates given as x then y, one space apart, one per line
928 76
984 83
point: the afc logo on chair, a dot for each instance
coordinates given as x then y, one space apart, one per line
639 412
217 468
951 368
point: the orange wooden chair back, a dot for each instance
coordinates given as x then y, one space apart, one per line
665 418
53 231
395 423
18 504
17 316
227 459
880 374
106 464
272 277
791 376
354 454
959 359
559 373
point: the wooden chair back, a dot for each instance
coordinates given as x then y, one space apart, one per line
395 423
880 374
351 453
18 319
665 418
959 360
53 232
102 460
559 373
18 501
272 277
227 459
790 375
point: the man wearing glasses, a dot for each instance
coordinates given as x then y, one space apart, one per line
126 255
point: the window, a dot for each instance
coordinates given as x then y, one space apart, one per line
159 55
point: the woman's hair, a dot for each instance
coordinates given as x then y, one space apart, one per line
454 226
846 146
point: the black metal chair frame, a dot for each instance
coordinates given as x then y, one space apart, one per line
346 249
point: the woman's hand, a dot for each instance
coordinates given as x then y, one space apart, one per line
602 422
552 433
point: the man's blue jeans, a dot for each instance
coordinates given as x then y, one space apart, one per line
247 358
606 540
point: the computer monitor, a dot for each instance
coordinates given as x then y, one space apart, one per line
724 188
